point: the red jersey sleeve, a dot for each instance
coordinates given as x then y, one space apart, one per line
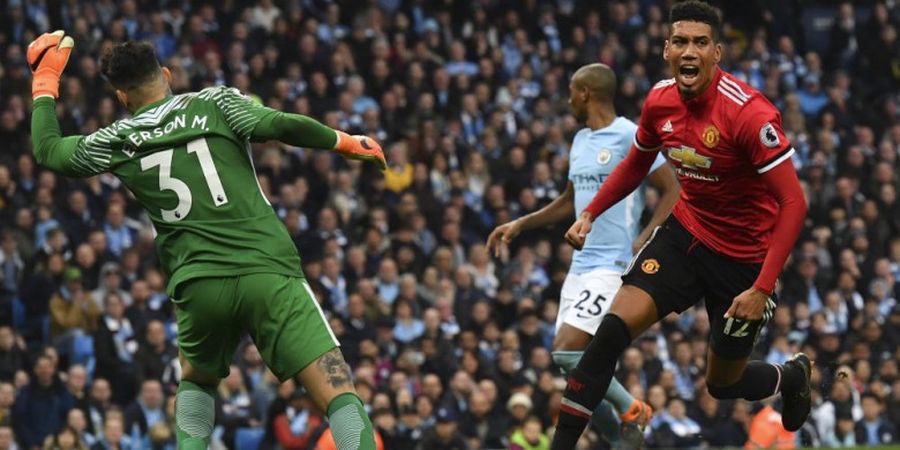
647 137
760 133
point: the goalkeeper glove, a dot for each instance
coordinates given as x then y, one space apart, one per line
47 56
362 148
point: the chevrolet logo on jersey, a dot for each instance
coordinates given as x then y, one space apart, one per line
689 158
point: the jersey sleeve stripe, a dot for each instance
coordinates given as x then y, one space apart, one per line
645 148
730 96
787 153
84 165
735 87
732 91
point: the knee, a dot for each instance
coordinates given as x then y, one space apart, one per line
194 375
570 338
722 392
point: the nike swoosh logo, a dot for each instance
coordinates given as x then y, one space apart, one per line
365 144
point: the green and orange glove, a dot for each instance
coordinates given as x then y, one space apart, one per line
47 56
361 148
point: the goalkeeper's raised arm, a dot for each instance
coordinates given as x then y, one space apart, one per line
139 81
185 158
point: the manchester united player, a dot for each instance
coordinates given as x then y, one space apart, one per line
740 211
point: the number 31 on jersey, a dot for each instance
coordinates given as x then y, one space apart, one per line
163 160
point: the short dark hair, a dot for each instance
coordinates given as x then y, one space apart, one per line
696 11
129 64
870 395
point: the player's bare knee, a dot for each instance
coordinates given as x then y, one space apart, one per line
722 372
570 338
723 391
720 379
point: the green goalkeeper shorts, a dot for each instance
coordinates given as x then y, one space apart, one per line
279 312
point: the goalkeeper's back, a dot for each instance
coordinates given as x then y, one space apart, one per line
186 158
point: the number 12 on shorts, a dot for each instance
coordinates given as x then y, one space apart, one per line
594 308
738 329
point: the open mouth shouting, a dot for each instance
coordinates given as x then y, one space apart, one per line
688 74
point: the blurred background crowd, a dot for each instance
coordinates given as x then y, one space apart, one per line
450 346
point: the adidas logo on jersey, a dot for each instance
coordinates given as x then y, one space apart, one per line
667 127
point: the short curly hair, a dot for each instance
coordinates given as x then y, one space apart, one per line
696 11
129 65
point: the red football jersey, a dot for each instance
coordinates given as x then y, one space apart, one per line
719 143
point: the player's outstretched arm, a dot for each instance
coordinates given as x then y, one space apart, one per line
561 208
302 131
47 57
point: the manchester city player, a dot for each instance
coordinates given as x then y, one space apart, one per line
595 274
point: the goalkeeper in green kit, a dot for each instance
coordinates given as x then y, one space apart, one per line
232 266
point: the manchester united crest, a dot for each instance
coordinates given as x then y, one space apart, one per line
710 136
650 266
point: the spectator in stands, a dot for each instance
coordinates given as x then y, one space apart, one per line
7 438
873 429
676 429
300 425
77 420
407 327
110 282
12 353
119 234
73 311
155 355
482 422
100 402
147 410
7 400
530 436
78 219
76 384
114 437
233 405
115 343
766 430
64 439
444 435
12 269
41 407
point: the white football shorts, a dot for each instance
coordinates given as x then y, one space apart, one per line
585 298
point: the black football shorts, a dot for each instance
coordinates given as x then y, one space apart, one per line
678 271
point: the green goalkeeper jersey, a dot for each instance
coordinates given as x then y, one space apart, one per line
187 160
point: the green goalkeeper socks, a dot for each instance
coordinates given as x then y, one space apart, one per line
195 415
350 425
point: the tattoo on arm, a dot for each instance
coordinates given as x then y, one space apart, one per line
336 370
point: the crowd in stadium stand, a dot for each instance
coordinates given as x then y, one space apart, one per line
449 345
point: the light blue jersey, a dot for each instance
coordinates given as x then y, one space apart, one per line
594 155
